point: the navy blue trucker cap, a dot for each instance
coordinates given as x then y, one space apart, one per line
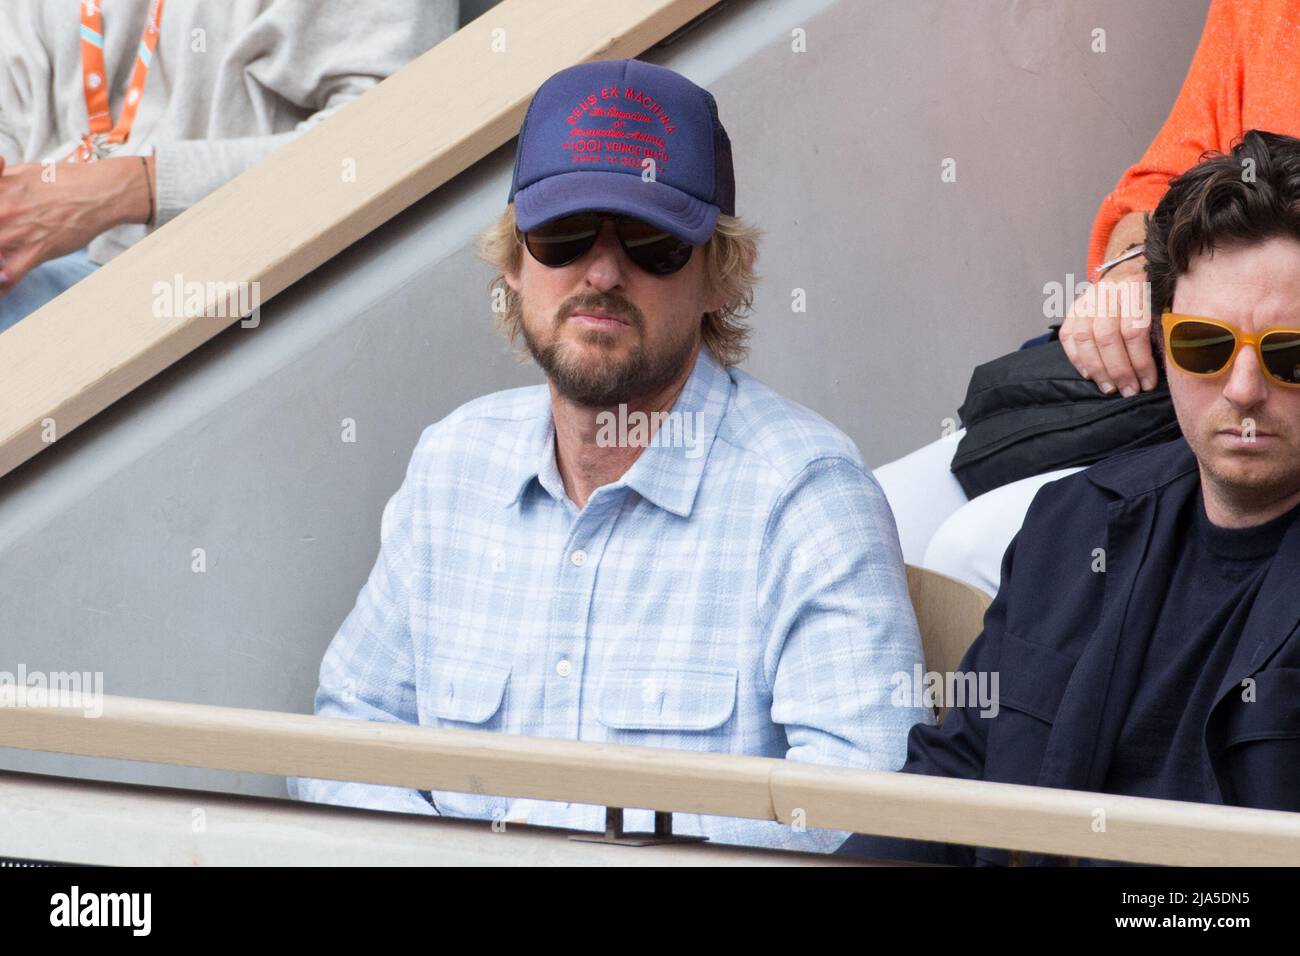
591 132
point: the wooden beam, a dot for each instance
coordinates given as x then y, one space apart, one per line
930 808
1038 819
403 755
294 210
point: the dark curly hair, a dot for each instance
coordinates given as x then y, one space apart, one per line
1244 196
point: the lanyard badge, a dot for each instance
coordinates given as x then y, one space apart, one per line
104 137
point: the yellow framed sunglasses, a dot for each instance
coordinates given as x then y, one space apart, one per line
1207 347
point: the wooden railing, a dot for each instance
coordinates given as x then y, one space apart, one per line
1035 819
304 203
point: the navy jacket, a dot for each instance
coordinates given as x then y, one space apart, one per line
1068 641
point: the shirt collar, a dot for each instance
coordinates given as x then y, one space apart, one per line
668 472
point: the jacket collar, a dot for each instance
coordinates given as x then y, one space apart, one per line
1146 469
1274 615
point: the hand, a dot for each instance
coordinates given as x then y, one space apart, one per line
1106 334
42 219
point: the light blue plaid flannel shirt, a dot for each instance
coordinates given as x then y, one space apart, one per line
742 592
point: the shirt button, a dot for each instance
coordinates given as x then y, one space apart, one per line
579 557
564 668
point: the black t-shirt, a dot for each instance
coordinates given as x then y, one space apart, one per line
1161 749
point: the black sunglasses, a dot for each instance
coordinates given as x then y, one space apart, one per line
562 241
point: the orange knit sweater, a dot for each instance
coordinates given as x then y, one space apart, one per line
1245 75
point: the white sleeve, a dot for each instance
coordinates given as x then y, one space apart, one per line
316 56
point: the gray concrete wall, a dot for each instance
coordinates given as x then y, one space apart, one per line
909 282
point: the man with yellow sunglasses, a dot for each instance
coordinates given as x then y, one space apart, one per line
1146 635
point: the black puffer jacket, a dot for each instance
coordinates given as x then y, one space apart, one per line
1030 412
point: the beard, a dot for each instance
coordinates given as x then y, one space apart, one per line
1249 480
1253 486
612 378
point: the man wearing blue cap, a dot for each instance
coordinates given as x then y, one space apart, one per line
653 548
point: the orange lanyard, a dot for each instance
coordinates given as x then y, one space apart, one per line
104 137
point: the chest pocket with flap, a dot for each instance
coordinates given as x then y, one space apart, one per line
667 698
466 691
1033 677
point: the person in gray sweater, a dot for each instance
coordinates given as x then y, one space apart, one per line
223 86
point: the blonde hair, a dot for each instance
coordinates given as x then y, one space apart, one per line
729 258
